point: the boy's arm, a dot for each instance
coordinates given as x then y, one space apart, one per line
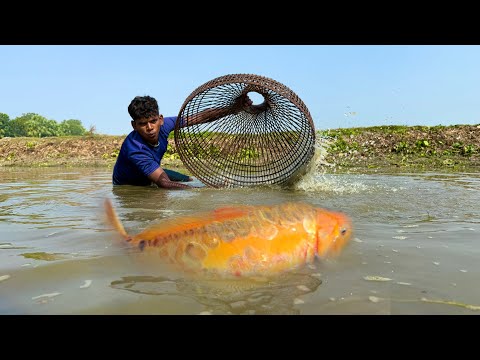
161 178
243 102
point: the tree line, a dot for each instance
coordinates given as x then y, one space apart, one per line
34 125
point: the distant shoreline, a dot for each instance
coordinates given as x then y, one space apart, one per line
380 148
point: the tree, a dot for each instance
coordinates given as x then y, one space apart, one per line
4 122
33 125
72 127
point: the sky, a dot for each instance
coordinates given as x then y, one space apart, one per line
343 86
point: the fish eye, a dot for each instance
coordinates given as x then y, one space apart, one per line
343 231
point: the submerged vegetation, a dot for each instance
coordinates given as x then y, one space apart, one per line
406 148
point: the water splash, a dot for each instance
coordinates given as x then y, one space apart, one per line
316 178
319 161
329 184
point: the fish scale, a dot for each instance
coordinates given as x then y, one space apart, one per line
244 240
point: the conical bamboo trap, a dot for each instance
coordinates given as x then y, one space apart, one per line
268 143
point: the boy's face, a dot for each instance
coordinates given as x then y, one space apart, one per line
149 128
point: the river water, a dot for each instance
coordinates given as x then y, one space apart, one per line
414 250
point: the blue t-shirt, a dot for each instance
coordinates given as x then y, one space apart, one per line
138 159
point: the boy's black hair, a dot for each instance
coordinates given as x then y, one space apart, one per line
143 107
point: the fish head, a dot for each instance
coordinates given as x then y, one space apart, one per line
334 230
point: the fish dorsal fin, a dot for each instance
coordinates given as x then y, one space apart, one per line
180 224
231 212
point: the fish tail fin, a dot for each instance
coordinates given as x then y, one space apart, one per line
113 218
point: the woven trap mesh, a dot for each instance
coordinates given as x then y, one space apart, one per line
267 143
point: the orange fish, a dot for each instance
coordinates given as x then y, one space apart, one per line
244 240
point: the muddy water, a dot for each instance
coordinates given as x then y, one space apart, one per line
415 247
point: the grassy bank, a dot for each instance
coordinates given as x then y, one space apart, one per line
451 148
406 148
